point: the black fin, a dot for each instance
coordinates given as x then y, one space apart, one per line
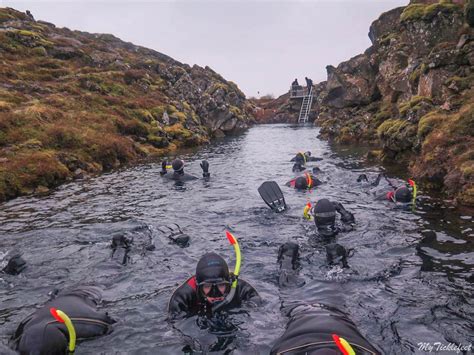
272 195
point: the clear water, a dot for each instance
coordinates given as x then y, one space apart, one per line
405 285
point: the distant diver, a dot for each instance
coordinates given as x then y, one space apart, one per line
178 173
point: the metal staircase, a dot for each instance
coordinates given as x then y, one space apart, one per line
306 107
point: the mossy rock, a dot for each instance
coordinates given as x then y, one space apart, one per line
397 135
157 111
177 131
413 105
39 51
426 12
466 196
180 116
216 86
157 142
428 123
237 112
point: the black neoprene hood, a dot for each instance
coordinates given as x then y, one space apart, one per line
212 267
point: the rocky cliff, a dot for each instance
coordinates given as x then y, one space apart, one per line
411 93
74 103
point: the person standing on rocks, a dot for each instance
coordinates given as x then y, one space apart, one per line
294 87
309 84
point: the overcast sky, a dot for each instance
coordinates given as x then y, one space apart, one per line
261 45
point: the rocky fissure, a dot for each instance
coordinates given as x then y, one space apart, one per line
410 94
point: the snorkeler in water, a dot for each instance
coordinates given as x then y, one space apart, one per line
178 173
400 194
324 214
305 182
53 328
212 288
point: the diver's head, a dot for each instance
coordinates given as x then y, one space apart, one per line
213 278
307 153
177 165
403 195
324 213
301 183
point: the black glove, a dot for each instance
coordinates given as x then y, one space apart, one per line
205 168
163 167
346 216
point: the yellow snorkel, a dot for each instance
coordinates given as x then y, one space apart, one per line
304 157
343 345
306 210
238 261
62 317
309 180
413 185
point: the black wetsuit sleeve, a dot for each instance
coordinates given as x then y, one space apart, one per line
248 294
316 181
183 302
346 216
313 159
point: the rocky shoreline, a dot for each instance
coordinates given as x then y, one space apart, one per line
411 95
74 104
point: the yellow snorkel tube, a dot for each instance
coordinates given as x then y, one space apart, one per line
62 317
309 180
306 210
413 185
304 157
238 261
343 345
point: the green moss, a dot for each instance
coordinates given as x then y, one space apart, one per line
143 115
186 106
216 86
429 122
39 51
414 104
389 127
415 76
235 111
171 109
157 142
464 124
181 116
177 131
467 169
426 11
413 12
